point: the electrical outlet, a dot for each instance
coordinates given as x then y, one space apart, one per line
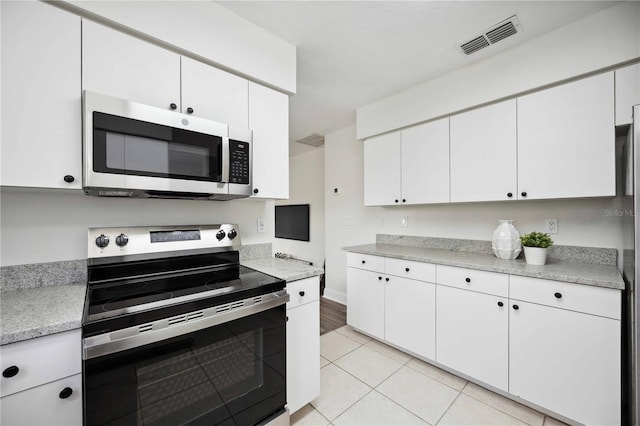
261 225
551 226
405 221
346 221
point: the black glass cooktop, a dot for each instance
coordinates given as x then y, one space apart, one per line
129 293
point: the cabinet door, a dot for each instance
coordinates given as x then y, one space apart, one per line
483 153
627 93
410 315
41 96
303 355
43 405
382 177
425 163
122 66
365 301
269 121
566 140
214 94
472 332
567 362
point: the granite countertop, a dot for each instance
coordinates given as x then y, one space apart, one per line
581 273
288 270
35 312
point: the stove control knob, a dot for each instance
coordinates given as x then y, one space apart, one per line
122 240
102 241
220 235
232 234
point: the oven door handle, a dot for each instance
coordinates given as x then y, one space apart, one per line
167 328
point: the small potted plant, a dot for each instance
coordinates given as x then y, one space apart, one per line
535 247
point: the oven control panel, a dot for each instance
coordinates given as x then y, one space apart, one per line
122 241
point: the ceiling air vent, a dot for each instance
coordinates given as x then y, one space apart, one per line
313 139
493 35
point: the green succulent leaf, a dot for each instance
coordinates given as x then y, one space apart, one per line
536 239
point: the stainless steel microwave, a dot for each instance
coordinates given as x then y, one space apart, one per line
135 150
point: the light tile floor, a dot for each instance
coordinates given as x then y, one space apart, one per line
365 382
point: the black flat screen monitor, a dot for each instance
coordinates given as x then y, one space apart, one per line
292 222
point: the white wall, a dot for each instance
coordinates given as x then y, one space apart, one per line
46 226
306 186
599 41
206 30
582 222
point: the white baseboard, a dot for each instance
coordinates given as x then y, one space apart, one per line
336 296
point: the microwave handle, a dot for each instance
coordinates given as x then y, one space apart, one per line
225 160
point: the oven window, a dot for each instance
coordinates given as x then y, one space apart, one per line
126 146
232 373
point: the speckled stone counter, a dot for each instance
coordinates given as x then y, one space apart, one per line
288 270
35 312
580 273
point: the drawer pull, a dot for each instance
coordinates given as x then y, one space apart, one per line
364 261
500 304
516 307
380 278
558 295
10 371
301 294
406 269
65 393
468 280
386 279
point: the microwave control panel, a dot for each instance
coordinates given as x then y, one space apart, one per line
239 162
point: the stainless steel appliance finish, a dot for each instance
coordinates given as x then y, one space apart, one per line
149 127
630 213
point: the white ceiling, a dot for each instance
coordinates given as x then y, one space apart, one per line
352 53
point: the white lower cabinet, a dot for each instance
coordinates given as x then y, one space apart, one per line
303 343
365 301
409 320
55 403
473 334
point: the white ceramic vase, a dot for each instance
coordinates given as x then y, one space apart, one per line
506 240
535 255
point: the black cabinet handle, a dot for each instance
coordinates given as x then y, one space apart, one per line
65 393
558 295
364 261
189 110
287 319
516 307
386 279
468 279
255 190
69 178
10 371
524 194
396 201
404 200
406 269
509 194
380 278
173 106
500 304
301 294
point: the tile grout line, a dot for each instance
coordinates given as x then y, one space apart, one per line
502 411
449 407
436 379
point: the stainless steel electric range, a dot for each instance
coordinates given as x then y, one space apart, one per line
176 332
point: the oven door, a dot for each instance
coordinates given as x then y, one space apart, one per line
231 373
148 149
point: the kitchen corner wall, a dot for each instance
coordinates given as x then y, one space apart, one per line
581 222
306 186
51 225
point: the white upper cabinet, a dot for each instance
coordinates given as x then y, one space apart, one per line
382 176
627 93
125 67
214 94
483 153
41 96
269 121
425 163
566 140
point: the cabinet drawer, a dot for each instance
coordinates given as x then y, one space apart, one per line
43 405
474 280
303 291
576 297
40 361
410 269
365 261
